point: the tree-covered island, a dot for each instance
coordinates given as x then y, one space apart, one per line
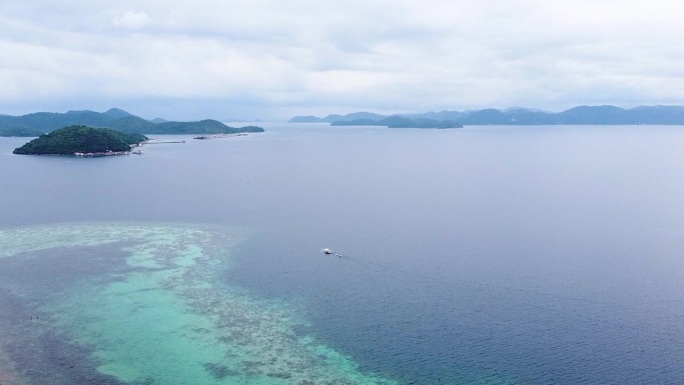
75 140
40 123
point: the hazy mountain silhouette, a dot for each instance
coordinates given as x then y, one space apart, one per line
589 115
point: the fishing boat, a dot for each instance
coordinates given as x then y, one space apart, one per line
326 251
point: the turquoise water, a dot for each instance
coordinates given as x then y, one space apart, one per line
488 255
163 317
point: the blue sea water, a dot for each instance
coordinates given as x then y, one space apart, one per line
484 255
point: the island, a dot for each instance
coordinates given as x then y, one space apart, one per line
82 141
581 115
39 123
218 136
397 121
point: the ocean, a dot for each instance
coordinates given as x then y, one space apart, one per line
482 255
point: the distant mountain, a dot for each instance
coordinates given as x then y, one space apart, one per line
118 113
307 119
595 115
397 121
158 120
354 116
509 109
40 123
589 115
658 114
338 118
441 115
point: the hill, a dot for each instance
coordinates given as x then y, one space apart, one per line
39 123
397 121
589 115
80 139
338 118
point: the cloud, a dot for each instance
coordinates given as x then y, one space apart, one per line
274 57
132 20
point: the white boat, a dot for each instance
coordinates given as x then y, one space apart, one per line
326 251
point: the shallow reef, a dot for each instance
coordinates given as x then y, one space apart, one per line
138 303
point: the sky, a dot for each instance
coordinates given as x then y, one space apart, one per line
271 60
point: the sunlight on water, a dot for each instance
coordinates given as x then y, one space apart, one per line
166 319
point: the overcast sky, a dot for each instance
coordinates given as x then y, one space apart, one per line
270 60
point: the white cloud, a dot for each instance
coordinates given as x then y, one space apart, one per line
132 20
338 56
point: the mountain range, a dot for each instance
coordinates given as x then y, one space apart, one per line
396 121
589 115
39 123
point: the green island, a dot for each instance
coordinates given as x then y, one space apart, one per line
39 123
82 140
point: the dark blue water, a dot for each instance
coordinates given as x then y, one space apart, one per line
489 255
